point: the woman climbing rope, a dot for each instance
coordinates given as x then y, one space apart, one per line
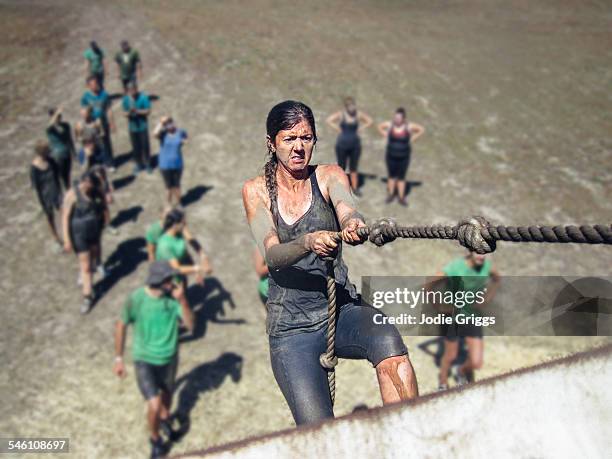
400 136
293 210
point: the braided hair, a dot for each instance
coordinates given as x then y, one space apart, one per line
283 116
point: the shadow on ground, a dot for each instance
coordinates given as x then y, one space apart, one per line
203 378
194 194
126 215
121 263
209 305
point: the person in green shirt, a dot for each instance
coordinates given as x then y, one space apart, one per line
136 108
471 273
59 134
154 311
156 230
94 63
129 66
172 246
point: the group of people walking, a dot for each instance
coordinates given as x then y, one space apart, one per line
400 134
294 210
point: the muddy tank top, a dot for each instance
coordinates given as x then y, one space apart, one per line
398 146
297 295
348 137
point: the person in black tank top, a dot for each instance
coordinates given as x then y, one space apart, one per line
292 210
400 136
348 145
45 180
84 215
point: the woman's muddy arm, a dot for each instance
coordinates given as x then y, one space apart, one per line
276 255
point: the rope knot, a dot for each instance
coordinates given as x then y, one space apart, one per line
382 231
327 362
470 235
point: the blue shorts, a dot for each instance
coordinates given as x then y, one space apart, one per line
295 358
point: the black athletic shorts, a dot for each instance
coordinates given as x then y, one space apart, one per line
172 177
454 331
152 379
348 154
83 238
397 167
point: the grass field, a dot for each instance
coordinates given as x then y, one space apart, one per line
516 102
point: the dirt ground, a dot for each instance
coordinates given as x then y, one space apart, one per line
515 100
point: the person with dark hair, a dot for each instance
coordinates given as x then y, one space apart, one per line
172 247
84 215
155 311
400 136
170 157
45 179
156 230
129 65
348 145
137 107
471 273
98 101
94 63
294 211
59 135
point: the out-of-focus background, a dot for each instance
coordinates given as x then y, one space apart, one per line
515 97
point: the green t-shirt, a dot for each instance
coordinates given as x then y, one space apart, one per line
127 63
263 286
154 232
155 323
171 248
95 60
464 278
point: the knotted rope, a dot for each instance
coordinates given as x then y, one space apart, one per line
474 233
477 234
328 359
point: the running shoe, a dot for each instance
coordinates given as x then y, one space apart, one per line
158 449
389 199
86 305
459 377
403 202
357 193
166 427
442 387
102 272
112 169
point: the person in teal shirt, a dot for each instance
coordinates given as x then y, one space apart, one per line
154 311
59 134
137 107
473 273
98 101
94 63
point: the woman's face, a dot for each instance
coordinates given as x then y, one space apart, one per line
294 146
398 119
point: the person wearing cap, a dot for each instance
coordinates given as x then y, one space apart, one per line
129 66
137 107
154 311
